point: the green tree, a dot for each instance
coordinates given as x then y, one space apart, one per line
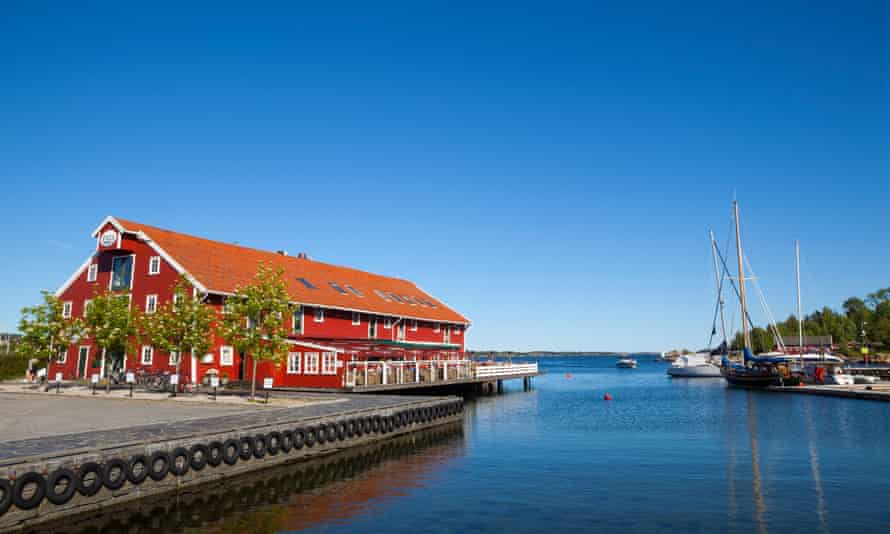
182 326
255 319
112 323
45 330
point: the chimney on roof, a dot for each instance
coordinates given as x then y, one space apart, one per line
281 252
302 256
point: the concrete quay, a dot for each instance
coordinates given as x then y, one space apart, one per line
62 456
875 392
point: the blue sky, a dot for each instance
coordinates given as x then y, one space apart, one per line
549 169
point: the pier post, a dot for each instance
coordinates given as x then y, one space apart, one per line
500 386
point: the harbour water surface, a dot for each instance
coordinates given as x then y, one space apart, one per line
663 456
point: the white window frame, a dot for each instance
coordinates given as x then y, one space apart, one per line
175 298
372 324
62 356
356 318
86 358
319 315
86 304
154 265
67 306
174 355
446 335
92 272
293 362
151 303
151 355
456 330
132 272
312 363
329 363
414 325
226 355
293 322
387 322
437 327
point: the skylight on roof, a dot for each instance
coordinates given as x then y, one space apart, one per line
355 291
381 294
336 286
409 300
396 298
306 283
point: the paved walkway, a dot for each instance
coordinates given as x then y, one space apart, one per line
33 424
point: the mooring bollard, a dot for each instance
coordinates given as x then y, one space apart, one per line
174 381
214 382
131 379
93 381
58 382
267 385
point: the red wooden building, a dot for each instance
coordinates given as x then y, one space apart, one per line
349 321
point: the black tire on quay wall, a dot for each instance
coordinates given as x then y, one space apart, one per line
180 461
159 465
200 455
350 427
375 423
287 441
320 434
359 428
300 438
88 490
5 495
214 453
231 451
341 430
115 465
245 447
273 442
260 446
59 475
390 423
137 469
330 430
367 427
310 436
18 489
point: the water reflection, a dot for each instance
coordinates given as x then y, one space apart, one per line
287 498
759 503
814 467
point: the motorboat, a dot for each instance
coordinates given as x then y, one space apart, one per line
694 366
865 379
626 363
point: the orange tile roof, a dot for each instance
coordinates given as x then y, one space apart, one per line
223 267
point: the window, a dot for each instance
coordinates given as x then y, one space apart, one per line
62 356
147 353
174 357
86 305
154 265
356 318
311 363
293 363
414 325
121 272
447 335
319 315
400 332
457 330
175 298
372 328
151 303
329 363
66 309
409 300
339 289
226 308
387 322
355 291
437 327
226 355
306 283
382 295
92 271
83 355
297 322
396 298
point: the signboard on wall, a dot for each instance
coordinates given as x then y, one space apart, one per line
108 238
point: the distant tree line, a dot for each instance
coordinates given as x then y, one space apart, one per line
871 315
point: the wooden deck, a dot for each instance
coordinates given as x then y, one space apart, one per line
877 392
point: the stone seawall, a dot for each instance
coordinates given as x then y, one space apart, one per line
42 483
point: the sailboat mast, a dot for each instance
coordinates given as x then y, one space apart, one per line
738 243
799 315
719 287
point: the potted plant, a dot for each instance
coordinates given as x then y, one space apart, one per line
224 379
210 373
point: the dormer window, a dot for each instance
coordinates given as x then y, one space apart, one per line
356 318
414 325
154 265
319 315
92 271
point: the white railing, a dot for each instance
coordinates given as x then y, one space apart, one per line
385 373
504 370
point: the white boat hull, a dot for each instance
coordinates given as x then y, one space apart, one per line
695 371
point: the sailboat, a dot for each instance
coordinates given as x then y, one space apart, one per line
755 371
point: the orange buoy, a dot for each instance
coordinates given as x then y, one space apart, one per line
607 397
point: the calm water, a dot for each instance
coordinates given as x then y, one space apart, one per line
664 455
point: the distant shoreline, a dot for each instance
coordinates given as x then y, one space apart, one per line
556 354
